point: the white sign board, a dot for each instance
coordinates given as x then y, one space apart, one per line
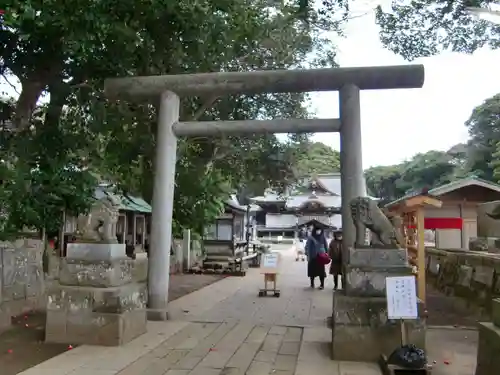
401 295
270 260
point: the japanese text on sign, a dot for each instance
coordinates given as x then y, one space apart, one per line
401 297
270 260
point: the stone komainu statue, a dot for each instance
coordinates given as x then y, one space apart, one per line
495 213
100 224
367 215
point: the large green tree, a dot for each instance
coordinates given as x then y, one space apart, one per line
66 50
384 182
484 131
424 170
421 28
315 158
480 157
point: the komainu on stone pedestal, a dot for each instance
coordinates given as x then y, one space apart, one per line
361 330
96 301
99 226
367 215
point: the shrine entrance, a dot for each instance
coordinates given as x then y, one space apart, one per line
169 88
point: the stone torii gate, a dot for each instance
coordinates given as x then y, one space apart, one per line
348 81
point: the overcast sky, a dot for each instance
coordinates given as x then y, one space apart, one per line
397 124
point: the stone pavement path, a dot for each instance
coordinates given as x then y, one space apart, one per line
225 329
236 299
187 348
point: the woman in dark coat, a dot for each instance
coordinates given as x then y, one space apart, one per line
316 244
335 252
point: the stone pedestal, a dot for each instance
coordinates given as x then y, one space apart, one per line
488 361
361 330
369 281
99 274
22 282
96 251
96 301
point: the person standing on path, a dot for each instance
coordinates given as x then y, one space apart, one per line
335 252
316 244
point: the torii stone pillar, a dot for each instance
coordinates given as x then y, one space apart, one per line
352 182
348 80
163 197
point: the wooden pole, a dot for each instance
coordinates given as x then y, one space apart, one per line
404 332
421 254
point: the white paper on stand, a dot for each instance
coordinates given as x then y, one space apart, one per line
270 260
401 293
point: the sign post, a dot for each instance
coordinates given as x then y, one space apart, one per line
270 270
401 294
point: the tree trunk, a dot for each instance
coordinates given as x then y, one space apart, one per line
26 104
58 96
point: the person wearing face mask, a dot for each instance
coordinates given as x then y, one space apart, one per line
335 252
316 244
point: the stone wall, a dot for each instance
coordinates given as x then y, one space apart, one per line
22 281
472 276
488 360
22 286
197 253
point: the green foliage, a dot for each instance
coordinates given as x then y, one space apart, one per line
42 175
428 170
425 170
495 163
484 131
384 182
421 28
68 49
479 157
316 158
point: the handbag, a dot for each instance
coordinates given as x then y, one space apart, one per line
324 258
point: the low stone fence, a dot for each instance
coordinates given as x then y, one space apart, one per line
179 261
23 283
22 286
472 276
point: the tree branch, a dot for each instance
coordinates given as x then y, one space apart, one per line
206 105
10 84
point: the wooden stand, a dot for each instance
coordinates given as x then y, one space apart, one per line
270 278
412 211
270 270
389 369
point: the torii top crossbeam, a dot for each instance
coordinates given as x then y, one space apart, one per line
269 81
